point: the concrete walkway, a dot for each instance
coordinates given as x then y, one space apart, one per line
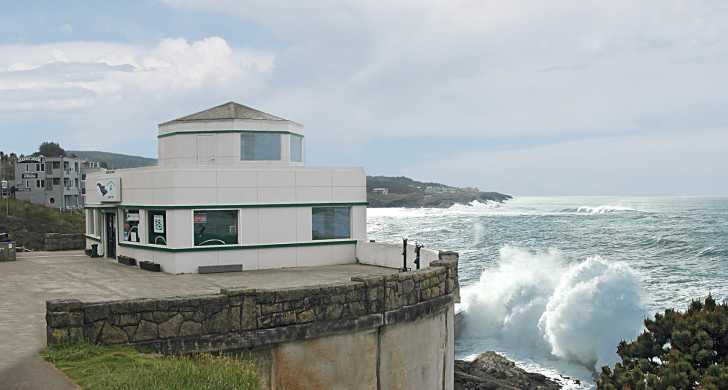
26 284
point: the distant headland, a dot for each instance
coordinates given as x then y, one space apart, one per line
386 191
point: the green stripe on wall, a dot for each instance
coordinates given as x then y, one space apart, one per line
237 247
225 131
227 206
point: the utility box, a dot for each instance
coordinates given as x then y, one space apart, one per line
7 251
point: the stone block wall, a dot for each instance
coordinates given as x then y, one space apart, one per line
62 242
245 318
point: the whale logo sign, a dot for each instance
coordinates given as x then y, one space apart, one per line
109 189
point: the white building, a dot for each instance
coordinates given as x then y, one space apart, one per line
231 189
49 181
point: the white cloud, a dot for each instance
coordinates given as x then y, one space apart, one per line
497 68
85 74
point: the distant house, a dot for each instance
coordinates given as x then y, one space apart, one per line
49 181
381 190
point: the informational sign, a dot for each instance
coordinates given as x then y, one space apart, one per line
158 224
132 217
4 184
109 189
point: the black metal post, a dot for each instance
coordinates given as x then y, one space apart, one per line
404 255
418 246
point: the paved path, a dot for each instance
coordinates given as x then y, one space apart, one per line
26 284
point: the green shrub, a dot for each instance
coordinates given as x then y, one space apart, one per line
95 367
678 350
27 222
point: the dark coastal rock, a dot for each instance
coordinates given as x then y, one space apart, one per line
491 371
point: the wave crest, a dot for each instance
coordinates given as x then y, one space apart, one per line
603 209
535 300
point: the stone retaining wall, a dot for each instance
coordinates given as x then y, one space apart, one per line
238 319
62 242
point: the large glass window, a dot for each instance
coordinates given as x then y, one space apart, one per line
157 227
296 148
130 226
331 223
215 227
257 146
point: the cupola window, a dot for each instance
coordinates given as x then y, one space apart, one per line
260 146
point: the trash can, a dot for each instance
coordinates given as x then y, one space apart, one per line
7 251
94 250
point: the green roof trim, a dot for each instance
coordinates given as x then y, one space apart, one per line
226 131
237 247
227 206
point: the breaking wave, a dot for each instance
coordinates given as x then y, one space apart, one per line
603 209
537 301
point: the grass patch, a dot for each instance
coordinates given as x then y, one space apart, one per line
27 222
95 367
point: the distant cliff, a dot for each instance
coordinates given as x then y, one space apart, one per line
385 191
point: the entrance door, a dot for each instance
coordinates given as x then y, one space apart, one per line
111 236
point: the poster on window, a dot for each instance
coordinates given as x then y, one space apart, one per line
158 224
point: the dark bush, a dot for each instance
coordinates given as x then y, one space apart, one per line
678 350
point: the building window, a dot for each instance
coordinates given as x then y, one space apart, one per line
76 182
296 148
56 181
56 165
260 146
42 166
65 182
37 167
157 227
215 227
65 165
90 225
130 226
37 183
42 183
330 223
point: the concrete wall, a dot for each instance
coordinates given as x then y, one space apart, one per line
376 332
389 255
62 242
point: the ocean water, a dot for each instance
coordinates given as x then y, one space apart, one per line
555 282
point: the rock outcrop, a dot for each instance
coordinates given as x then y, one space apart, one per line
491 371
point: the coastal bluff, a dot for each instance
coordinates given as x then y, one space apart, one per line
386 191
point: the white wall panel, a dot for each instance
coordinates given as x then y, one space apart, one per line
277 257
277 225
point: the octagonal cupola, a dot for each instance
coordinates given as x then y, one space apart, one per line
231 134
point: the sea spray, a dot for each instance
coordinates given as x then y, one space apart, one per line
539 302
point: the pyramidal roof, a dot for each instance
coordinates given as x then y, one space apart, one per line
229 110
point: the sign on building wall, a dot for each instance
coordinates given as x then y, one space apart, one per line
109 189
158 223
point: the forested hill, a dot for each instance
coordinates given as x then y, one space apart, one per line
405 192
114 160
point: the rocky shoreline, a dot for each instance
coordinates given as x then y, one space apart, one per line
491 371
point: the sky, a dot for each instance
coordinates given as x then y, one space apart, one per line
525 97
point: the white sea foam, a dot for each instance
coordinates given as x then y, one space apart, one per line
536 301
603 209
